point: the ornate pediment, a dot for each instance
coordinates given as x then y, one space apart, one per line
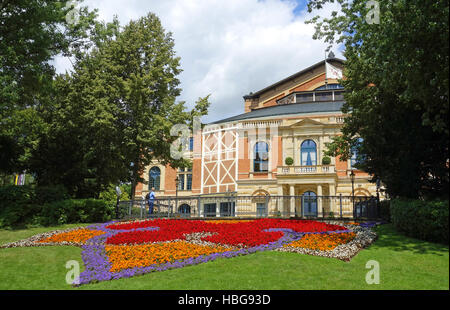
306 122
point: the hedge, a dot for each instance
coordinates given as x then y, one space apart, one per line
74 211
425 220
21 206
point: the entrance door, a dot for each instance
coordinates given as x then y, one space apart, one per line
227 209
261 209
309 204
185 210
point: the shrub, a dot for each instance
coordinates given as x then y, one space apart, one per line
42 206
74 211
425 220
110 193
326 160
385 213
289 161
16 205
45 194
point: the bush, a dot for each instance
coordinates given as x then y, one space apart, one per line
385 213
326 160
110 193
289 161
21 206
74 211
16 205
45 194
425 220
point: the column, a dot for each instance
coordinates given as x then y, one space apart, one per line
281 200
292 194
319 151
333 200
319 201
217 209
293 149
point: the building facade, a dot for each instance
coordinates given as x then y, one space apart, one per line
275 149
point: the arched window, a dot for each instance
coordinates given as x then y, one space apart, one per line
184 209
154 178
261 157
308 153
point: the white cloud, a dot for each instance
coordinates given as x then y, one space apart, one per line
227 48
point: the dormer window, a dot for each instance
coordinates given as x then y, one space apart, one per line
330 86
329 92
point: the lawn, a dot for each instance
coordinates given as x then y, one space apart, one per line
405 264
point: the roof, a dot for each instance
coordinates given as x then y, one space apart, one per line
286 109
321 63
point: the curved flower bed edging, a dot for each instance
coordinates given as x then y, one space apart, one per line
364 237
33 241
109 253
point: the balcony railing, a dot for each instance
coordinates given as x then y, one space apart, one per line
293 170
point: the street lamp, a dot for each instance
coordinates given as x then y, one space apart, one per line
177 181
118 193
378 183
352 178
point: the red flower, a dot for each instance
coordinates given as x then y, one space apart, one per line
240 233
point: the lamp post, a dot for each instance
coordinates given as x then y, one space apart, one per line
118 193
352 178
378 183
177 181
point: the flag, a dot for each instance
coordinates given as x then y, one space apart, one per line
333 72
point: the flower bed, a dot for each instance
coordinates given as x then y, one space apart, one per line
247 234
116 250
322 242
79 236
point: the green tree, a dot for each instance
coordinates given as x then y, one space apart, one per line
397 90
32 33
114 113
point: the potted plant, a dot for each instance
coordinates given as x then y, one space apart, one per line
289 161
326 160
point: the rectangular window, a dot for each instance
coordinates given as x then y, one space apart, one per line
181 182
191 144
189 182
338 95
304 98
326 96
227 208
209 209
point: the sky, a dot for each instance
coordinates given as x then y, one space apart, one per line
228 48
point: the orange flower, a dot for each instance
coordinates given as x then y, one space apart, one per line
322 242
76 236
129 256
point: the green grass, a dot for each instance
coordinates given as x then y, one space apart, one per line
405 264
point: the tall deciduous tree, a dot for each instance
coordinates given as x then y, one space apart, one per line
32 33
115 112
397 62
